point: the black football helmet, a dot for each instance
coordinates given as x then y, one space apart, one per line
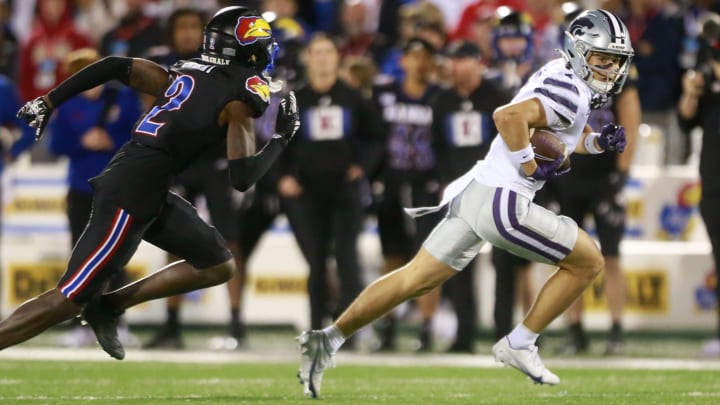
239 35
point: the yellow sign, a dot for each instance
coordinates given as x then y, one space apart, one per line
646 291
28 280
36 204
280 285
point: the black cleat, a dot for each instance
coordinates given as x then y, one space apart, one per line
104 322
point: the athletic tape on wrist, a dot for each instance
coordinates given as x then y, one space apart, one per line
590 143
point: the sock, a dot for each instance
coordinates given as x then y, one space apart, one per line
576 329
234 315
335 337
172 317
521 337
616 327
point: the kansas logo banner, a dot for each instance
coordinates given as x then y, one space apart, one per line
250 29
259 87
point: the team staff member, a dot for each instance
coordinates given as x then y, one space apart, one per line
198 103
462 131
322 174
408 177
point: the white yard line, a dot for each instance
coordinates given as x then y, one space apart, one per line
480 361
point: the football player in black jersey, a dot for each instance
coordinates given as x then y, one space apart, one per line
198 103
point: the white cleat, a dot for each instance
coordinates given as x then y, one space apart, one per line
315 358
526 360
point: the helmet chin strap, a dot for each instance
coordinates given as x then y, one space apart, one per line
602 86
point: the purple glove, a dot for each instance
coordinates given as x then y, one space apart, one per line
550 171
612 138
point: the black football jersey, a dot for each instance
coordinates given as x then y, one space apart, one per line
181 127
184 121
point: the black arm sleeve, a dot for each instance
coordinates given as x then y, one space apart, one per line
102 71
245 172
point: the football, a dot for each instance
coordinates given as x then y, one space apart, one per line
548 147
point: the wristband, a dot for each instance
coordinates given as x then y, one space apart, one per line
590 143
524 155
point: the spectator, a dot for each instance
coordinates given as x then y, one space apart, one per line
324 171
513 49
417 20
353 40
477 20
408 174
657 34
42 55
359 73
8 43
291 34
134 34
95 18
89 129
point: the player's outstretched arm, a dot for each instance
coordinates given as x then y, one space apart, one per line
140 74
245 167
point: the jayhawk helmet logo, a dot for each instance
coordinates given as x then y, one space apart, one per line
250 29
259 87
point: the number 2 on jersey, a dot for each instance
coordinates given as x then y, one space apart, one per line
178 92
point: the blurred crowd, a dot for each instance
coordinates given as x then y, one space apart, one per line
396 97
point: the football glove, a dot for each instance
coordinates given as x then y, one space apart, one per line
550 171
287 121
612 138
37 114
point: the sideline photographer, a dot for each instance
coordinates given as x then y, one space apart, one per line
700 106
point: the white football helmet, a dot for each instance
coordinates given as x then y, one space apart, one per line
598 31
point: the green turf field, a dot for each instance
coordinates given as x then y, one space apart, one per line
57 382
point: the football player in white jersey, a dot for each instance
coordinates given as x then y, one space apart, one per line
493 203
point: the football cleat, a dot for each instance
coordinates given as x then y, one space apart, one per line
526 360
104 323
315 358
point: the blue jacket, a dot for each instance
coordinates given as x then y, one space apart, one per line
9 106
78 115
